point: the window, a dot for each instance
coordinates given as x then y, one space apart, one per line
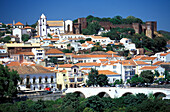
21 82
34 80
94 60
43 29
51 79
64 74
40 80
46 79
75 70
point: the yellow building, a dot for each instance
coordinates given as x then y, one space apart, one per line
69 76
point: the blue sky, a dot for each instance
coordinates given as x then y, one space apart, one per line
30 10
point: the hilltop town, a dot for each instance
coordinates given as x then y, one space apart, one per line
61 53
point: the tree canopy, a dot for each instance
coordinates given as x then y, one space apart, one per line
94 79
8 82
91 29
147 76
25 37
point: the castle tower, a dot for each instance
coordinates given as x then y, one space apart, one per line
42 25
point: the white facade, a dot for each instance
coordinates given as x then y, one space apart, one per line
38 81
42 22
128 44
53 27
39 54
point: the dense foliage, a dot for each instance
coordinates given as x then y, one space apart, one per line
25 37
72 103
91 29
6 39
8 83
96 79
115 20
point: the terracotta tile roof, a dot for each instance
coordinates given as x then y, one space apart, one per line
107 72
93 56
98 37
26 53
55 35
66 66
148 58
28 27
50 45
88 64
90 42
84 45
141 63
165 63
164 54
69 54
138 57
128 63
50 68
104 59
14 64
111 52
86 69
149 67
30 69
19 24
2 48
36 36
157 63
54 51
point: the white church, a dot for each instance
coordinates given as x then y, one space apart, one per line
45 27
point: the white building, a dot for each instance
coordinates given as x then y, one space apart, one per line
53 27
39 54
128 44
35 77
165 57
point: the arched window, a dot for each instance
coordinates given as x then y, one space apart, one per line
34 80
28 80
46 79
40 79
21 81
71 85
40 88
51 79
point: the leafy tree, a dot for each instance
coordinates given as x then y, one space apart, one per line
91 29
92 77
66 51
34 25
71 99
167 75
6 39
96 103
25 37
8 83
102 80
156 73
88 39
136 79
147 76
81 41
97 47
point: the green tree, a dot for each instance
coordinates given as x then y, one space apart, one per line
88 39
97 47
96 103
34 25
147 76
92 77
81 41
156 73
91 29
136 79
167 75
6 39
102 80
8 83
25 37
71 99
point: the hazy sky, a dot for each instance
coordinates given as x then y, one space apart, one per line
30 10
